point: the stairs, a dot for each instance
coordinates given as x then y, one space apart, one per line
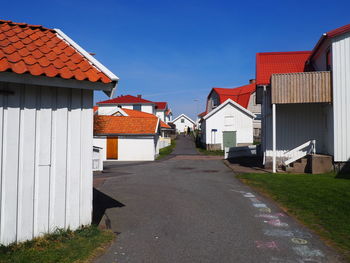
298 167
311 163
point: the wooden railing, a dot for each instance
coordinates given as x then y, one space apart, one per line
300 152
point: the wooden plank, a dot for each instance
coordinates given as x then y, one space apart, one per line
11 128
86 135
26 164
42 177
59 160
73 162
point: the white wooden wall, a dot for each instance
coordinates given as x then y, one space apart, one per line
46 160
341 97
242 123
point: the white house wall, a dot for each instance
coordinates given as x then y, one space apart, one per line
180 127
46 160
147 108
341 97
136 148
161 115
242 124
295 125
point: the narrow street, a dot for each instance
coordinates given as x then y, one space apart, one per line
191 208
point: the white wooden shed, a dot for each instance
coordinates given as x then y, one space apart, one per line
46 130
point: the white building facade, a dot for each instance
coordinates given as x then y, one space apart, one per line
228 125
183 122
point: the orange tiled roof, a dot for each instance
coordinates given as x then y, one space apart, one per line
164 125
136 113
40 51
124 125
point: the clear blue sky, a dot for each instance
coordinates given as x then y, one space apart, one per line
177 50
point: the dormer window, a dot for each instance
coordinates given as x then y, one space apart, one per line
137 107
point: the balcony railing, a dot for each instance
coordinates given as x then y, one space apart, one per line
304 87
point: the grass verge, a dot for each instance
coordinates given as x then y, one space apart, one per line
166 150
62 246
207 152
321 202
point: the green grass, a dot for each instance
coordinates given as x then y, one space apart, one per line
61 246
322 202
207 152
166 150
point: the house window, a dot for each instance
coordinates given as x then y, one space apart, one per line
182 120
137 107
228 121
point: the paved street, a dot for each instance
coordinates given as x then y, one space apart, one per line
194 210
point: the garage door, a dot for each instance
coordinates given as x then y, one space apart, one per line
112 148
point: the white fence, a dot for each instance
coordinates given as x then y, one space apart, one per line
164 142
97 159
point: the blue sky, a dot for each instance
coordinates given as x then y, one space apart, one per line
176 51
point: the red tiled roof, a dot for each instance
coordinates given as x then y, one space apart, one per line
126 99
95 108
241 95
279 62
124 125
160 105
39 51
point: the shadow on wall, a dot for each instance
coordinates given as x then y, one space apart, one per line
101 202
343 170
251 161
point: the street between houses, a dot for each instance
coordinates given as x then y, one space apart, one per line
191 208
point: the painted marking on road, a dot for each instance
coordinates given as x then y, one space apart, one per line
306 252
265 210
254 200
301 234
267 216
278 233
276 223
268 244
299 241
259 205
249 195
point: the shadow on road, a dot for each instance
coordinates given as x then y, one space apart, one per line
101 202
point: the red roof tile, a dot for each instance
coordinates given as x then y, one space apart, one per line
124 125
241 95
40 51
202 114
160 105
126 99
168 112
279 62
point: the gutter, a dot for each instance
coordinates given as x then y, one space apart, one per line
91 59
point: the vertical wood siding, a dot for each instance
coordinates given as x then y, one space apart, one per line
45 160
341 97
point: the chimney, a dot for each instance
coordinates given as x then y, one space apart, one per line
139 96
252 81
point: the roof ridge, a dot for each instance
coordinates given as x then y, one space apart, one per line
284 52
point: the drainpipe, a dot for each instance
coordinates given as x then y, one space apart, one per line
274 138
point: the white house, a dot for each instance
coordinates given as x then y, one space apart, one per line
228 125
127 135
46 99
305 100
182 122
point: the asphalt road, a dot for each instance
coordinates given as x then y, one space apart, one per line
181 210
